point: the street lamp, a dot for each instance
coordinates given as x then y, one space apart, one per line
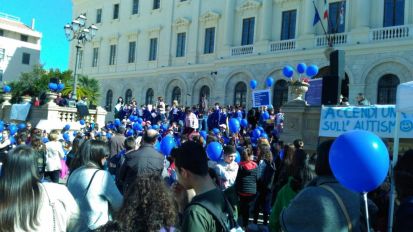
77 30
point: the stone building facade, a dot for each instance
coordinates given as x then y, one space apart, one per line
183 49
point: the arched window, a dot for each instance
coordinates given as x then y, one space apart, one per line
386 92
128 96
109 100
240 94
149 97
176 94
204 92
280 95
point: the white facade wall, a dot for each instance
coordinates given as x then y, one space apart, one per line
367 58
11 65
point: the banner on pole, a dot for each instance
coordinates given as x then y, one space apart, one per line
379 119
261 98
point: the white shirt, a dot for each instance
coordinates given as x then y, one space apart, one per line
54 152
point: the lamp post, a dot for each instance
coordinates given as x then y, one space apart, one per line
77 30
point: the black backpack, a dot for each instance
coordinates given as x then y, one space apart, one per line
225 220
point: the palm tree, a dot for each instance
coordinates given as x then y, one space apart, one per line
86 87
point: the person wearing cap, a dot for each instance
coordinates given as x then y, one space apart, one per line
192 172
146 160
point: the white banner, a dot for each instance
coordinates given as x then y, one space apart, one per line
379 119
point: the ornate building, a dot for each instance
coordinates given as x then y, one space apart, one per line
184 49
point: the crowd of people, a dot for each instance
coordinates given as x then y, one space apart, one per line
119 177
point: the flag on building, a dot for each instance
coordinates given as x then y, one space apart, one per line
325 15
316 16
342 13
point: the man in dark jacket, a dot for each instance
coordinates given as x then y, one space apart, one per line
145 160
116 145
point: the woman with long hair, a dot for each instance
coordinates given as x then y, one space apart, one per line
28 205
148 207
92 187
38 145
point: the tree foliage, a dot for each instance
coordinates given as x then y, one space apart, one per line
86 87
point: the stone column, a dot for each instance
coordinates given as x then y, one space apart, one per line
229 22
362 13
308 18
267 19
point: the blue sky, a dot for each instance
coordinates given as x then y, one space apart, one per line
51 16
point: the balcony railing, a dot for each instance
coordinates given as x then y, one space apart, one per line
282 45
242 50
390 33
336 39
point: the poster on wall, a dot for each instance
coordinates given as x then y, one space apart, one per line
261 98
379 119
313 95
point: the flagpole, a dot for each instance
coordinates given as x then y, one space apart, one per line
330 44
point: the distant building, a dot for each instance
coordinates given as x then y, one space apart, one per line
184 49
19 47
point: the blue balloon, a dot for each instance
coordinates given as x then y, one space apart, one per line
238 157
216 131
60 87
234 125
1 127
167 144
203 134
214 151
21 126
13 129
164 127
269 81
312 70
66 137
108 135
129 133
117 122
359 160
12 140
131 118
45 140
137 126
66 127
82 122
135 118
139 120
264 135
53 86
244 122
265 115
155 127
256 133
157 146
288 71
253 84
301 67
261 129
6 89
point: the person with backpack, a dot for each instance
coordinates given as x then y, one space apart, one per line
208 210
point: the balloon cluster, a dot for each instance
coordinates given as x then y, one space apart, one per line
302 68
56 87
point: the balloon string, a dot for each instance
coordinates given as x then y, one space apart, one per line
367 211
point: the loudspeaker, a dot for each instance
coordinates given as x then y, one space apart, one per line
332 83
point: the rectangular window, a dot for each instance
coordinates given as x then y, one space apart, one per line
337 17
393 13
116 11
156 4
153 47
1 75
135 7
26 58
1 32
79 63
112 54
98 15
95 57
248 31
24 38
2 53
288 24
132 49
209 40
180 44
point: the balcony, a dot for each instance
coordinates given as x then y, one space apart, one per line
242 50
336 39
284 45
390 33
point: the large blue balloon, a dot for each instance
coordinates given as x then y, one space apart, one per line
261 129
21 126
253 84
13 129
66 137
216 131
139 120
6 89
244 122
82 122
288 71
214 151
60 87
1 127
312 70
117 122
359 160
53 86
256 133
67 127
167 144
265 115
238 157
234 125
108 135
301 68
137 126
203 134
269 81
129 133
